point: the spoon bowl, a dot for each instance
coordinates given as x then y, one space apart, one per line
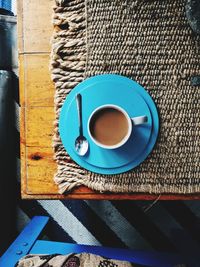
81 145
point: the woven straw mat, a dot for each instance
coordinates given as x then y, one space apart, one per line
152 43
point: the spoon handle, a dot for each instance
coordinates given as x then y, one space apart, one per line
79 109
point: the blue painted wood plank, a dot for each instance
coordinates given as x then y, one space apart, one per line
23 243
153 259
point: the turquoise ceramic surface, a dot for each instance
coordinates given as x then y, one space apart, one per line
117 90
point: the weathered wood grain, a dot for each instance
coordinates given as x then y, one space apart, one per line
39 86
21 81
20 26
41 167
37 26
39 126
23 152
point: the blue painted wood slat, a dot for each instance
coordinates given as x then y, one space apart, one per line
23 243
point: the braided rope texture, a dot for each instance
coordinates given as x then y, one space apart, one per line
152 43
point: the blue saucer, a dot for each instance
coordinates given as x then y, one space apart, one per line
117 90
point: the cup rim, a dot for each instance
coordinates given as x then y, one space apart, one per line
126 137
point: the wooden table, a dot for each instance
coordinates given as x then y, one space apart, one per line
37 109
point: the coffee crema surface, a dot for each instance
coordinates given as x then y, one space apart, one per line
109 126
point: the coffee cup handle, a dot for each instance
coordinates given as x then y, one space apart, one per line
139 120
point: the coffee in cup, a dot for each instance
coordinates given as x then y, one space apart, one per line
109 126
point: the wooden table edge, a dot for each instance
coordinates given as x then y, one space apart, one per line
110 196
